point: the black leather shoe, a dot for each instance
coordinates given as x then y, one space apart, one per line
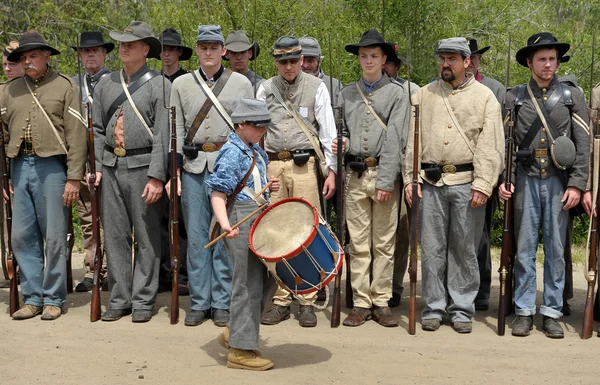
482 305
141 315
395 300
566 310
87 284
115 314
196 317
522 325
307 317
220 317
275 315
552 328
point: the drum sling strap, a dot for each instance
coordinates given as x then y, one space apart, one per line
215 229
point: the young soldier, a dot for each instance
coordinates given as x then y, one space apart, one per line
376 117
173 52
46 144
200 135
550 174
460 156
239 54
92 51
253 285
301 111
131 133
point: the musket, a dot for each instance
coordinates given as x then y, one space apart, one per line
414 209
11 262
336 303
96 302
70 245
254 54
591 275
507 256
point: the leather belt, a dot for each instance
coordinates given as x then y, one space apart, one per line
288 155
209 146
370 161
449 168
120 151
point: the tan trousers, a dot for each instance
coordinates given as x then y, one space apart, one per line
295 182
84 211
371 224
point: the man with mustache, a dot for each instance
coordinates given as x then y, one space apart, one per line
131 137
302 117
92 51
550 174
460 156
239 54
46 143
311 50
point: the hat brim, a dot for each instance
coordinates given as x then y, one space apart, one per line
108 46
480 51
387 50
15 55
153 42
523 53
241 47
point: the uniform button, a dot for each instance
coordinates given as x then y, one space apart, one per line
21 137
33 102
545 98
542 140
543 161
118 107
285 140
543 129
36 86
289 115
206 137
370 94
17 145
285 130
544 90
368 112
35 94
291 95
449 126
366 148
285 149
27 119
443 161
207 116
453 92
543 171
446 142
207 126
366 139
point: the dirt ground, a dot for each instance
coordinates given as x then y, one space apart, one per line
72 350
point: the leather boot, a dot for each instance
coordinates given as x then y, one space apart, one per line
220 317
196 317
552 328
141 315
51 312
357 316
26 312
384 317
463 327
522 325
430 324
115 314
275 315
307 317
247 359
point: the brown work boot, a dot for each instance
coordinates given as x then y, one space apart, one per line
51 312
383 316
430 324
275 315
357 316
27 311
224 340
247 359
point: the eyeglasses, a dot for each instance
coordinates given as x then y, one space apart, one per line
285 62
451 60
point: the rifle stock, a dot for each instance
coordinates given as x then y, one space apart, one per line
174 219
414 229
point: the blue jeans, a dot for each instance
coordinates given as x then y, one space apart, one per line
39 216
536 200
209 271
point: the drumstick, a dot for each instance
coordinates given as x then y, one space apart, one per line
262 190
224 234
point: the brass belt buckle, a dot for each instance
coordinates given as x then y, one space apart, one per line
209 147
120 151
541 152
370 161
284 155
449 169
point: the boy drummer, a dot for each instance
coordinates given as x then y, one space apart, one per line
253 288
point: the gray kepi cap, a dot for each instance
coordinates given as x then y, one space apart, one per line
138 30
287 47
310 47
457 45
210 34
251 111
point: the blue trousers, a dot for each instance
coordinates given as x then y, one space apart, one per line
209 271
537 201
40 217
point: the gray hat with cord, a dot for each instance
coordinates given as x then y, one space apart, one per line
310 47
458 45
251 111
138 30
287 47
210 34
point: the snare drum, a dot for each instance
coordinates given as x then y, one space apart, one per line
295 243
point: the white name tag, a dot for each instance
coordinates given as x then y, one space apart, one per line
303 112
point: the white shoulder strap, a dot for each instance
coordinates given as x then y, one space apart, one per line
140 117
455 120
208 92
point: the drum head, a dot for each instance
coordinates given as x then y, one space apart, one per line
284 228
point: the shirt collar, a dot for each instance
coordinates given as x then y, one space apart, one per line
236 141
537 90
46 74
371 86
215 77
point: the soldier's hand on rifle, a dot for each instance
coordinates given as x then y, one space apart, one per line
329 185
10 191
408 193
168 187
334 145
586 201
71 192
153 190
571 197
504 193
477 198
97 181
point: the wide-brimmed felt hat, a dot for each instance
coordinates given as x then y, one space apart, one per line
13 45
287 47
138 30
94 39
368 39
396 59
539 41
251 111
475 50
237 41
172 38
29 41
